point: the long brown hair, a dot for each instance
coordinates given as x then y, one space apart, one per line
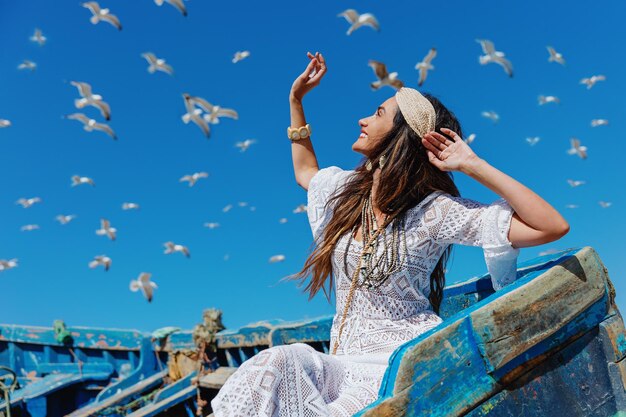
407 179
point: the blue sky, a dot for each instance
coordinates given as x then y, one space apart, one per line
41 150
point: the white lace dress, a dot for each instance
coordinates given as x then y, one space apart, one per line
298 381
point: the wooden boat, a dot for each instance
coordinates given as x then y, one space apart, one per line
552 343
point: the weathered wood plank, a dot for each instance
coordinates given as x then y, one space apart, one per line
513 323
216 379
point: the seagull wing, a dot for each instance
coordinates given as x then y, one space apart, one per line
506 64
105 128
423 74
205 105
179 5
202 124
379 68
112 19
104 107
430 56
78 116
370 20
93 6
228 113
150 57
351 15
84 89
487 46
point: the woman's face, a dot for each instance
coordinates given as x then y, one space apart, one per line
375 127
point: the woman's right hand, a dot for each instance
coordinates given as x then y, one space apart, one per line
310 78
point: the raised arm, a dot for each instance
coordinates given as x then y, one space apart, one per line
304 161
534 222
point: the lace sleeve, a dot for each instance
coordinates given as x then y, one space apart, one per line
321 187
471 223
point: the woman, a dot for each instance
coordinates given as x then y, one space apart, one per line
389 278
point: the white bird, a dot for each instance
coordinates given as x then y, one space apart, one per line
90 99
29 227
576 148
239 55
106 229
282 220
214 112
357 20
243 146
99 14
65 219
26 64
27 202
99 260
547 99
300 209
91 124
599 122
130 206
571 206
591 81
604 204
194 177
277 258
227 208
78 180
470 138
493 56
5 123
176 3
532 141
8 264
193 114
157 64
426 65
212 225
38 37
170 247
144 284
384 77
491 115
575 183
242 204
555 56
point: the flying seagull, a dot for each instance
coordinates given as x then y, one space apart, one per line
130 206
157 64
91 124
212 225
277 258
300 209
426 65
239 55
243 146
106 229
599 122
8 264
493 56
555 56
604 204
384 77
576 148
547 99
78 180
194 177
533 140
357 20
29 227
5 123
170 247
99 14
194 114
65 219
100 260
90 99
27 202
471 138
144 284
591 81
26 64
575 183
38 37
176 3
491 115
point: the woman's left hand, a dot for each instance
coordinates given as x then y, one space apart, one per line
445 154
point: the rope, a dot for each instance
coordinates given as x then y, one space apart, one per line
7 389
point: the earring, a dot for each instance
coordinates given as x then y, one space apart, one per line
368 165
382 160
